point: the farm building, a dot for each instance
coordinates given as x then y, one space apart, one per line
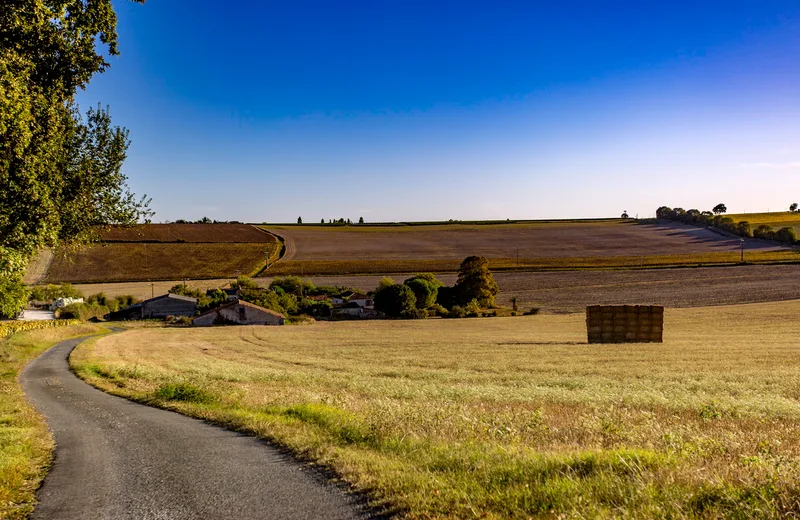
158 307
239 313
362 300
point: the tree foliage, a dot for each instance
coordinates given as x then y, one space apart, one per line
475 282
60 172
396 301
720 209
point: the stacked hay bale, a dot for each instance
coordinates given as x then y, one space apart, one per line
625 323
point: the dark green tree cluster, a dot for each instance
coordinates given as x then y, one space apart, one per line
60 171
424 293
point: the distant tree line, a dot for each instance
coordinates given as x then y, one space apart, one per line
717 220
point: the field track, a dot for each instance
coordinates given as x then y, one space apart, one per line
571 291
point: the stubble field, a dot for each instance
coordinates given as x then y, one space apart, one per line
502 417
570 291
164 252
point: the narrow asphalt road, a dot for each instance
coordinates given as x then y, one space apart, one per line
116 459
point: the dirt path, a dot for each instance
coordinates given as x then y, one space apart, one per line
116 459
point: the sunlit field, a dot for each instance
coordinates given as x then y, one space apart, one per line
502 417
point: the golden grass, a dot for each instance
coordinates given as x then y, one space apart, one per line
775 219
344 267
502 417
25 442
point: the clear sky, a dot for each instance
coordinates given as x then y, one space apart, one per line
395 111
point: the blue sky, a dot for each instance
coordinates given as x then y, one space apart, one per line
264 111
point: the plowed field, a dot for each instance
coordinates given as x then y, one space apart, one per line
187 233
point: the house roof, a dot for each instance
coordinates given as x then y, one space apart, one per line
358 296
246 304
319 298
172 297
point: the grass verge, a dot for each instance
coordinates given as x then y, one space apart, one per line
501 417
25 442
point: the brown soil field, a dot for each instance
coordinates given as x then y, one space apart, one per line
118 262
216 233
571 291
510 241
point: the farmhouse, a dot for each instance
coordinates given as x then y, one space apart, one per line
158 307
239 313
362 300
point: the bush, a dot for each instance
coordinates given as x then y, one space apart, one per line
244 282
438 310
534 311
457 312
126 300
51 292
314 308
475 282
292 285
82 311
743 229
764 232
395 300
414 314
185 290
472 309
786 235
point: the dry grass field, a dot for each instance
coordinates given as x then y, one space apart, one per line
25 442
140 261
775 219
575 239
186 233
502 417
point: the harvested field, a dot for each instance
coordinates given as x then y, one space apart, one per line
502 417
344 267
157 261
571 291
502 241
212 233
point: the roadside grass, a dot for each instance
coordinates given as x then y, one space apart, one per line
501 417
345 267
25 442
776 219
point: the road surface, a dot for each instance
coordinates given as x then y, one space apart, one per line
116 459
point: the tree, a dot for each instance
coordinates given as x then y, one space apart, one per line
424 292
625 213
743 229
764 231
204 220
664 212
786 234
299 220
475 282
360 220
60 172
396 300
793 207
384 283
322 221
719 209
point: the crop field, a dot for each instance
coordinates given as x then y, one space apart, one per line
186 233
501 241
165 252
776 219
502 417
561 291
141 261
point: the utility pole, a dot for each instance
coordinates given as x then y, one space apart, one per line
741 241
